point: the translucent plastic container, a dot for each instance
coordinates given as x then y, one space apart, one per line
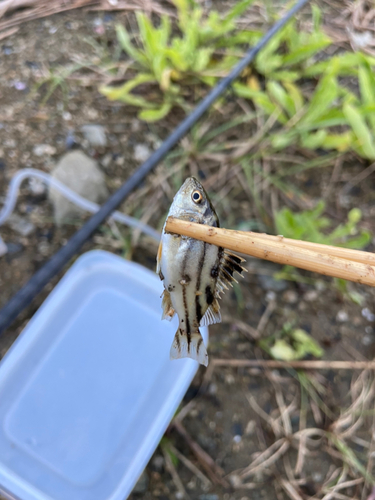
87 390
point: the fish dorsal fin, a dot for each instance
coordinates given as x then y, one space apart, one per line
189 346
212 315
229 264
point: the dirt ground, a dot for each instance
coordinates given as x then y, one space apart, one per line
223 418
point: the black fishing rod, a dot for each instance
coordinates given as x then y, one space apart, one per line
56 263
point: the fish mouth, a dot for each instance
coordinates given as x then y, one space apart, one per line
191 183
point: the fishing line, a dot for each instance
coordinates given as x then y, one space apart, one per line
56 263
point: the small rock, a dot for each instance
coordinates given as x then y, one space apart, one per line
3 247
290 297
141 152
270 296
95 134
235 481
44 149
342 316
367 339
311 296
20 225
237 438
106 160
158 463
14 248
209 496
37 186
81 174
250 428
142 483
367 314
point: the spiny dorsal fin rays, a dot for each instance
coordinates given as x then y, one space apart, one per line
189 346
229 264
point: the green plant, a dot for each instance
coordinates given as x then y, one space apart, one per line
172 63
308 225
290 344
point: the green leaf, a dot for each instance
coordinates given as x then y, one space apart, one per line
303 53
124 40
153 115
282 350
362 132
202 59
367 87
238 9
280 95
322 99
122 93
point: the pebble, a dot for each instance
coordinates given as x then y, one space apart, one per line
367 314
290 297
342 316
20 224
81 174
37 186
158 463
141 152
44 149
209 496
311 296
367 339
237 438
142 483
250 428
14 248
95 134
270 296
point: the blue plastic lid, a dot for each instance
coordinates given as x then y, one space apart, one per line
88 389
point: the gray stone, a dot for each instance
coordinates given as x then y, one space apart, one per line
141 152
44 149
81 174
95 134
20 224
142 483
209 496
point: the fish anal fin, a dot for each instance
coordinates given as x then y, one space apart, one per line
189 346
158 258
168 310
212 315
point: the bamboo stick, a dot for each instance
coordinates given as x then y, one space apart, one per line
276 250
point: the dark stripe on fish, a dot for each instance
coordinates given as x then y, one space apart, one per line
184 298
209 295
198 307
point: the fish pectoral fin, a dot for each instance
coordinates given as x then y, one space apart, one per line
229 264
189 345
212 315
166 304
158 258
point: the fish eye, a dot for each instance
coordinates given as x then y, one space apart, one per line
197 196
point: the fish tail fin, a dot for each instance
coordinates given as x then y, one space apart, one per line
189 345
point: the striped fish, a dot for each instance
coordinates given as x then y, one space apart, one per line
194 273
